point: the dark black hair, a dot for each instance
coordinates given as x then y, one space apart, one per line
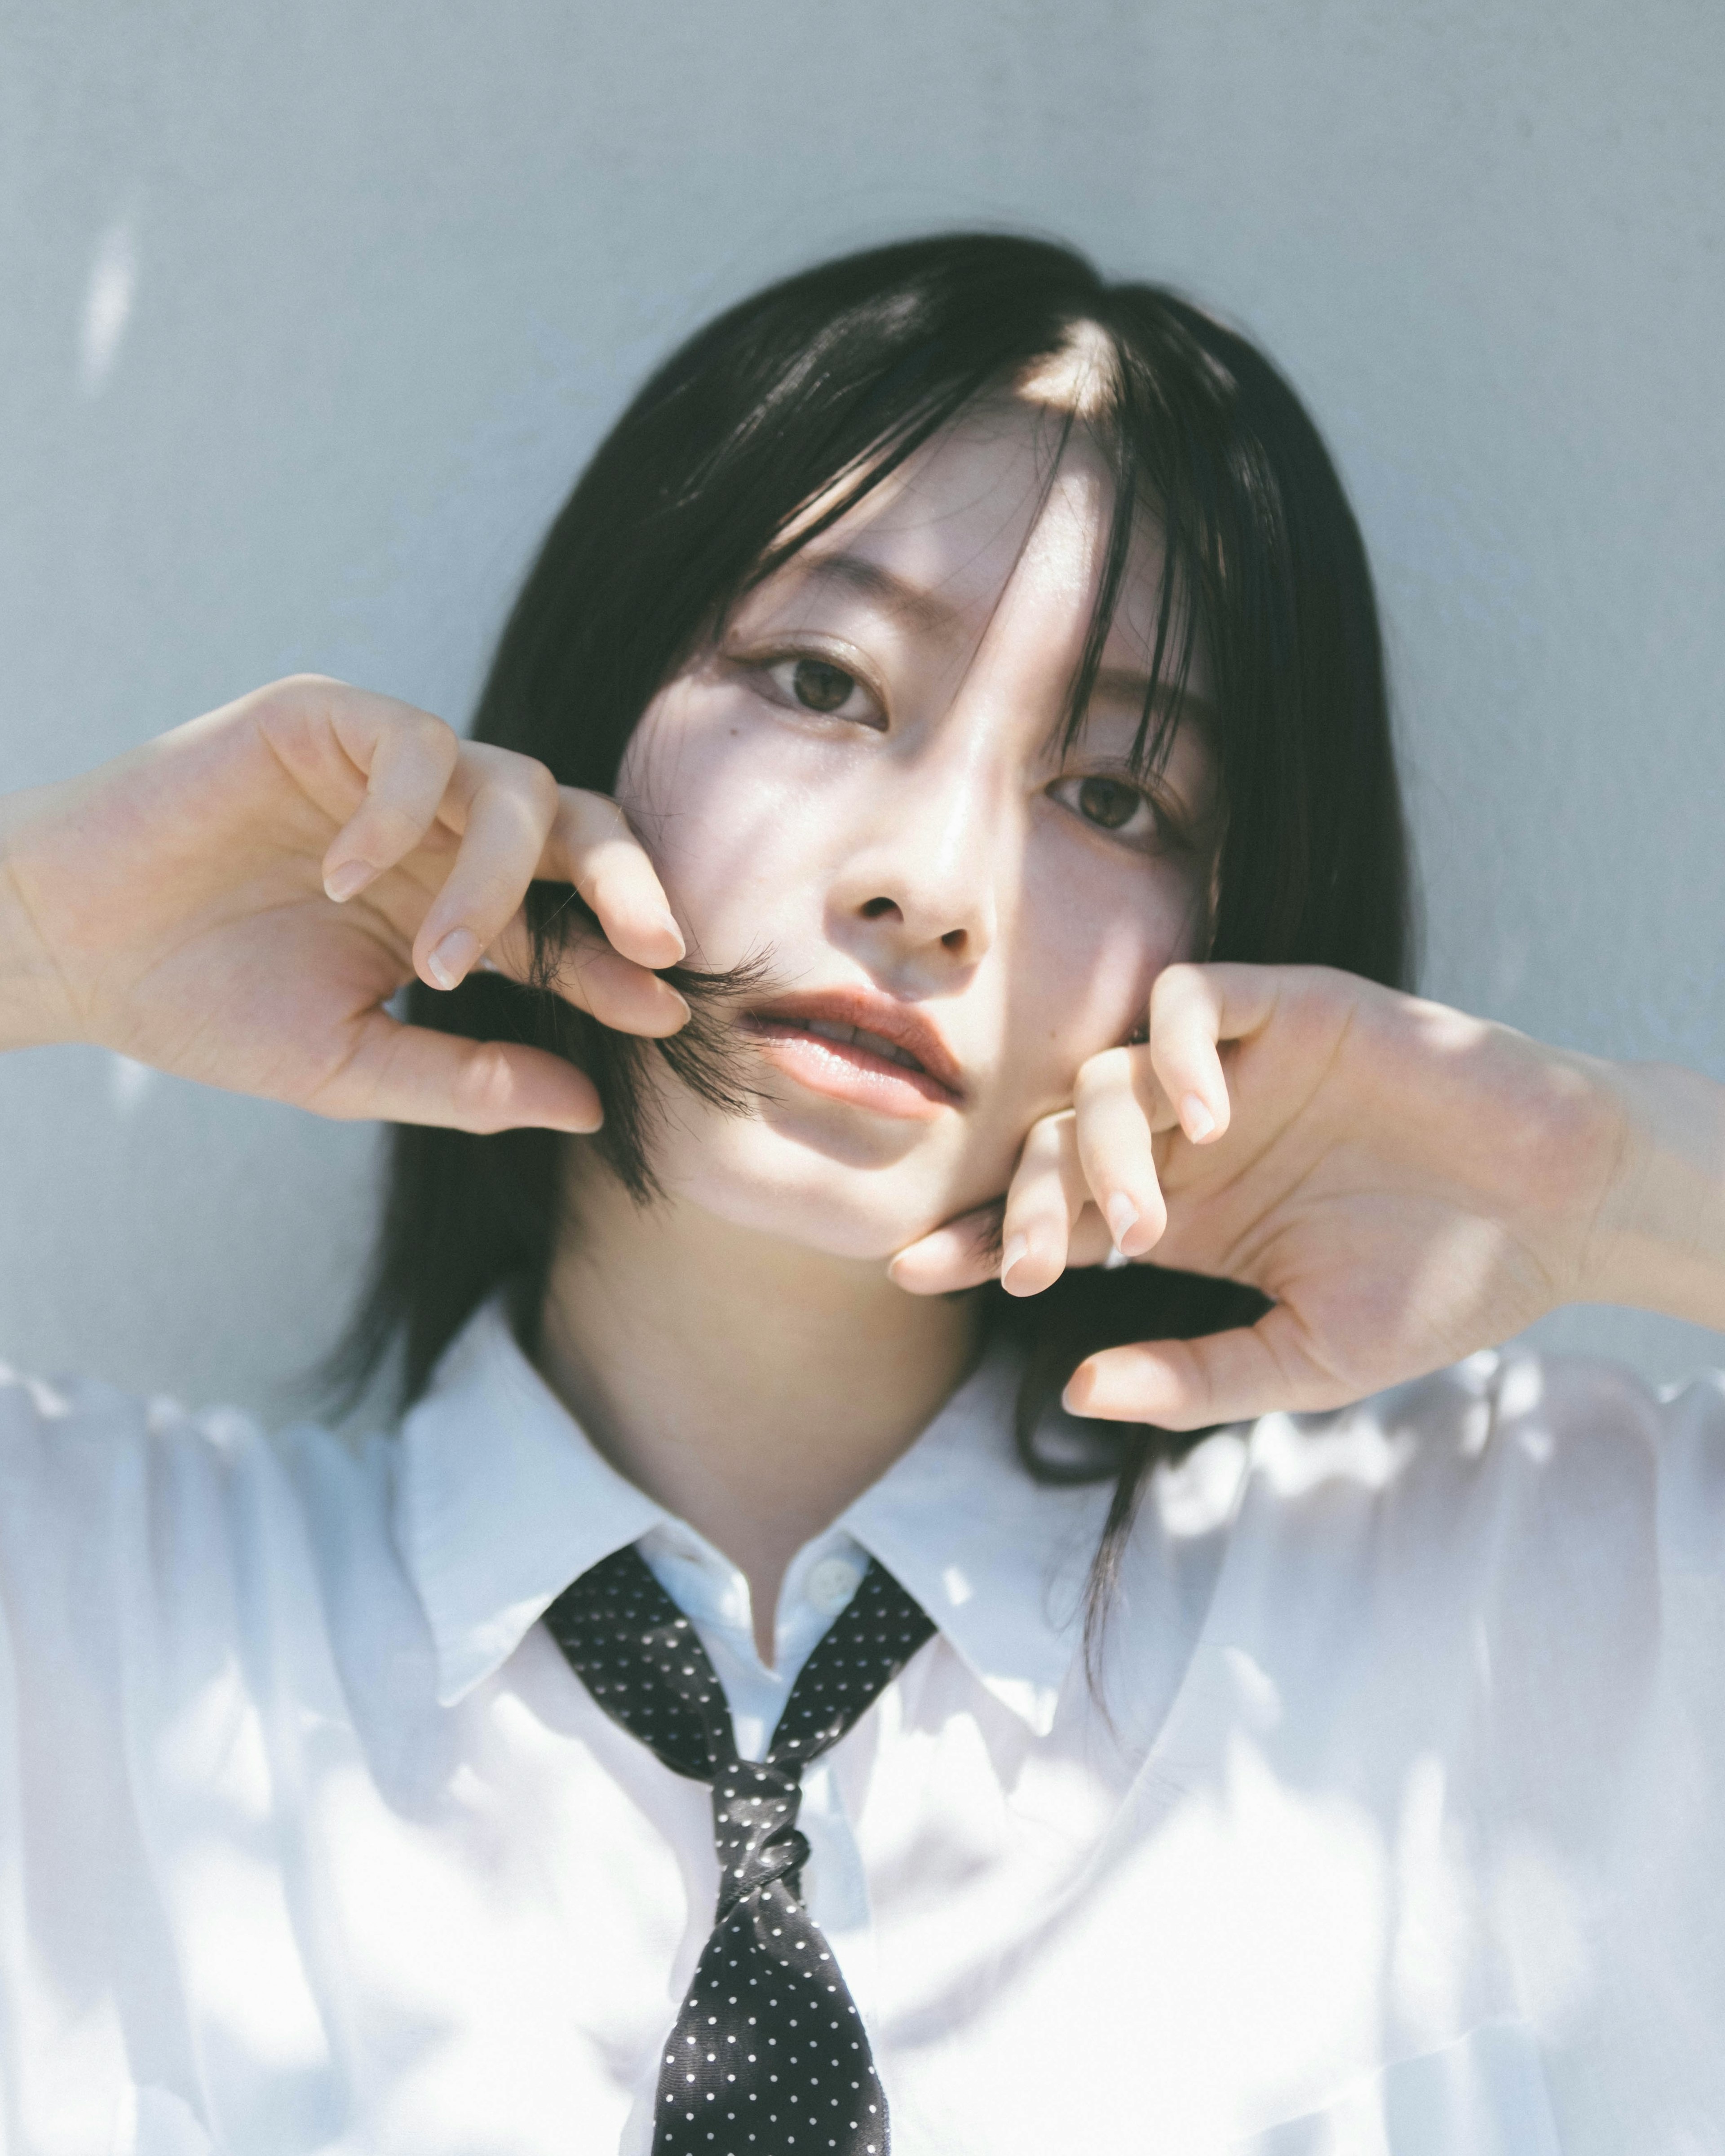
819 386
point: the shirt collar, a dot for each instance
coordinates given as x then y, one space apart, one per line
501 1500
998 1561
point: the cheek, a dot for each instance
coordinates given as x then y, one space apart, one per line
1092 938
724 818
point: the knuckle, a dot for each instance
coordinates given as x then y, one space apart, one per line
441 747
603 810
428 732
1047 1140
294 701
539 786
485 1090
511 770
299 689
1102 1074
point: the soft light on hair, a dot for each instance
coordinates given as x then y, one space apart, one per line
751 440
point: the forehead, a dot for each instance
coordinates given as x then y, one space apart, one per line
1014 496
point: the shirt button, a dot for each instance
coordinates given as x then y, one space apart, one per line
831 1583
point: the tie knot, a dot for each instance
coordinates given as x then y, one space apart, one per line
755 1829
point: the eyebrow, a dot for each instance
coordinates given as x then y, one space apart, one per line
860 574
927 608
1125 685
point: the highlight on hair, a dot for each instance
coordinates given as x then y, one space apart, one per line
762 430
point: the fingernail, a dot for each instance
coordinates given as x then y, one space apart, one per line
1010 1255
1197 1119
1122 1217
675 934
670 1013
341 883
1077 1390
448 964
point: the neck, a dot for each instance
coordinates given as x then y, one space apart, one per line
751 1386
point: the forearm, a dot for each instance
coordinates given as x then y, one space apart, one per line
1659 1243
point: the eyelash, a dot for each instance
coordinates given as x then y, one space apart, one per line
769 664
1163 836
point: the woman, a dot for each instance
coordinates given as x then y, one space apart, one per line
929 842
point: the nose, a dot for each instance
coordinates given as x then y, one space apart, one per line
921 884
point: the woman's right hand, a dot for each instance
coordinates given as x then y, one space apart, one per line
236 901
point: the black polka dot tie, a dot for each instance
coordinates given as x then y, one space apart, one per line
768 2056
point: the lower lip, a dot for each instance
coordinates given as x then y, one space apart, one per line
845 1072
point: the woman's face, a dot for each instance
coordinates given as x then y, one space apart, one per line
863 782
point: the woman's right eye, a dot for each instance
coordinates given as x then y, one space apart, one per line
816 684
821 687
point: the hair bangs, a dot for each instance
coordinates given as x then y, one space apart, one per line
763 430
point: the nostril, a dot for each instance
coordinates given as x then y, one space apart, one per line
953 941
874 908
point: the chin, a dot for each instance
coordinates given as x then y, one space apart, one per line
752 1178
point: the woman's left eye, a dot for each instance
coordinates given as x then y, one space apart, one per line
1115 805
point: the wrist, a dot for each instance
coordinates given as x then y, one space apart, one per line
1658 1239
35 1007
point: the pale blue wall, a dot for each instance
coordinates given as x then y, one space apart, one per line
308 313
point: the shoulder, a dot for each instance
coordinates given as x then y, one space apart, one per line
124 1517
71 1438
1518 1523
1503 1437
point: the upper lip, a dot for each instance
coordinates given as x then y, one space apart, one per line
901 1024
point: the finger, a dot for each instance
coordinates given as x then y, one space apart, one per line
962 1253
619 993
586 972
966 1251
1185 1025
1090 1244
1222 1378
1193 1008
1047 1194
591 845
409 1074
408 759
505 805
1114 1099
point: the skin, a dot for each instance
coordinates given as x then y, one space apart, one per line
928 840
236 900
925 841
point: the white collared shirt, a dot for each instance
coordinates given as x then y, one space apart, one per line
1395 1826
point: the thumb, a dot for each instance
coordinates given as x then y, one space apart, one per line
1221 1378
411 1074
963 1254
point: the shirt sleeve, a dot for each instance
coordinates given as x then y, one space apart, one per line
115 1549
1469 1637
1601 1682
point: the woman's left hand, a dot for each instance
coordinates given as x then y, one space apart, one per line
1407 1184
